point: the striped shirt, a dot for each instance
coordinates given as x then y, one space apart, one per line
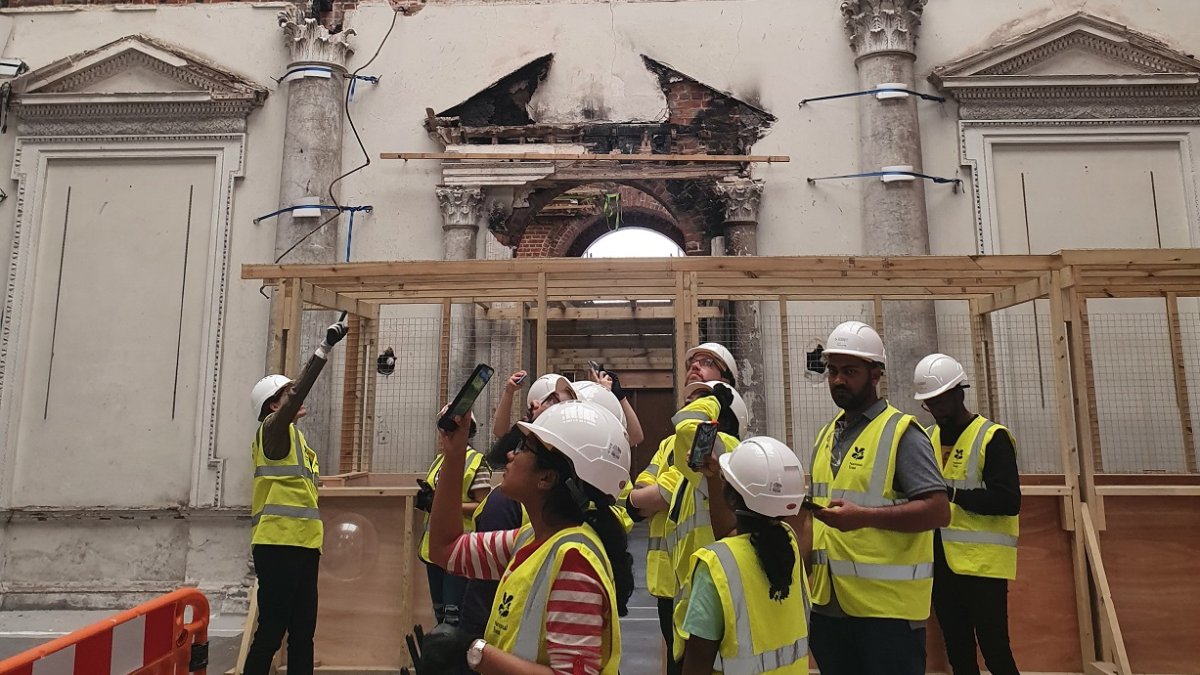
575 612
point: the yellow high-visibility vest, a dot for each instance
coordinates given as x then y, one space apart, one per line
517 624
875 573
975 544
660 576
761 635
284 504
474 460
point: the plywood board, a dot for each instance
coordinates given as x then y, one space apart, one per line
1151 547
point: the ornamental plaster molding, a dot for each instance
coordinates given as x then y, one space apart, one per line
461 206
742 197
311 42
881 26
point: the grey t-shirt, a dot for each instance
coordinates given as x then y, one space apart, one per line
917 472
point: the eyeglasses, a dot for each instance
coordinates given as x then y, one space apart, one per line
704 362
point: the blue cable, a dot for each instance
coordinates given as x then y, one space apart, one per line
373 79
876 174
867 92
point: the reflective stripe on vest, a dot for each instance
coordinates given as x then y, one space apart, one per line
529 630
978 537
685 415
286 512
874 494
276 471
746 662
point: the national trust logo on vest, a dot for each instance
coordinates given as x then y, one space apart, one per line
857 455
505 605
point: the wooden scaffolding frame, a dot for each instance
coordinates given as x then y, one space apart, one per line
539 290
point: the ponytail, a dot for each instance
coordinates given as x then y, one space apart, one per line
772 545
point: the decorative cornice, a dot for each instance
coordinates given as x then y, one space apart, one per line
742 197
1121 52
460 205
311 42
877 26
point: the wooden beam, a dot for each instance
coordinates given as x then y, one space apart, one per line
1108 611
1179 368
576 157
604 313
329 299
1026 291
541 324
785 344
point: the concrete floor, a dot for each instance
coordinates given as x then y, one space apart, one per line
641 639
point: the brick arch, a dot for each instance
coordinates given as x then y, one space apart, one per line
648 198
585 232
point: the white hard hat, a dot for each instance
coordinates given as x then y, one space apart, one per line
935 375
543 387
265 390
586 390
591 438
855 338
767 474
717 351
740 411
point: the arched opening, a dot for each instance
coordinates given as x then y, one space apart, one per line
633 242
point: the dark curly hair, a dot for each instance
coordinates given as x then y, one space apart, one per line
772 545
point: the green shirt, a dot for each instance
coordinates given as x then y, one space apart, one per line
705 618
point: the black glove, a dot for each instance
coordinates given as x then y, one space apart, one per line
727 420
444 650
336 332
617 390
424 498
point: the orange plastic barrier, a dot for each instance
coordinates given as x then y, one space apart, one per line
151 639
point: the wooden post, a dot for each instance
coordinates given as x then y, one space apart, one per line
785 349
366 446
293 313
692 310
1072 507
444 361
1092 446
989 361
882 330
1182 396
1114 641
515 412
979 350
681 336
353 377
276 355
1085 394
542 320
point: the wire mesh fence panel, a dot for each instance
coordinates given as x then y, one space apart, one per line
1026 386
1137 410
405 402
1189 333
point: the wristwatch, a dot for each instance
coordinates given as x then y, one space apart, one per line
475 653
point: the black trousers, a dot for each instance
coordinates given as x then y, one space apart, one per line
287 603
856 646
666 622
970 609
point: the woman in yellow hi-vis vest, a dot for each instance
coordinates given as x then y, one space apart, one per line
976 555
285 523
446 590
567 575
746 605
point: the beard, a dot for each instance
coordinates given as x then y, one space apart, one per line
849 399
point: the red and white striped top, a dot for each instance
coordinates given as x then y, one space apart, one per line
577 607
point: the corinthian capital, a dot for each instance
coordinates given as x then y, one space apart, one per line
741 197
883 25
460 205
310 42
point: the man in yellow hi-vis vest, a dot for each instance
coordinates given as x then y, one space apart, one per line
976 556
875 475
285 523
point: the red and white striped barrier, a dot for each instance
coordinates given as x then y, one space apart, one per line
150 639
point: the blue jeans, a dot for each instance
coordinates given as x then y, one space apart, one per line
445 590
855 646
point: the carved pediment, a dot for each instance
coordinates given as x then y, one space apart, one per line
136 78
1080 58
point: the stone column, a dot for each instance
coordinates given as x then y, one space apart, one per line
742 197
461 210
312 159
883 35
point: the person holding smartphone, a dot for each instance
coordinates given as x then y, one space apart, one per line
745 603
566 576
446 591
285 523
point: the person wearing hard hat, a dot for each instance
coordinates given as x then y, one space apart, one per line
446 590
285 524
567 575
976 555
654 487
745 606
876 477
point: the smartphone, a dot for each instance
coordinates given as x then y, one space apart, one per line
702 444
522 378
809 505
466 397
595 366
